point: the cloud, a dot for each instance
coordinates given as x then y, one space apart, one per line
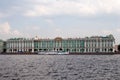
2 15
7 32
16 32
106 32
50 21
32 8
5 28
73 7
118 30
35 28
31 31
61 7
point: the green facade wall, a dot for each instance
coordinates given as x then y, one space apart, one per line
62 45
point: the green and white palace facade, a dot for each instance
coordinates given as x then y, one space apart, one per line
80 45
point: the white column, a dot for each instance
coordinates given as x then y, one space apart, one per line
85 45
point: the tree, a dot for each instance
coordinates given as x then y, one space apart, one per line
119 47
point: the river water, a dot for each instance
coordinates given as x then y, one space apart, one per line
59 67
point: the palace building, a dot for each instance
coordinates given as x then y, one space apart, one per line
73 45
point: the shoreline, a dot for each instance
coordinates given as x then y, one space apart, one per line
95 53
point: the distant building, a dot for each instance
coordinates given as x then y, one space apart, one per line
1 46
80 45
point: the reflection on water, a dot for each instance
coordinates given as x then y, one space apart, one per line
59 67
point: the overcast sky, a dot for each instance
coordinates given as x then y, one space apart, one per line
63 18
